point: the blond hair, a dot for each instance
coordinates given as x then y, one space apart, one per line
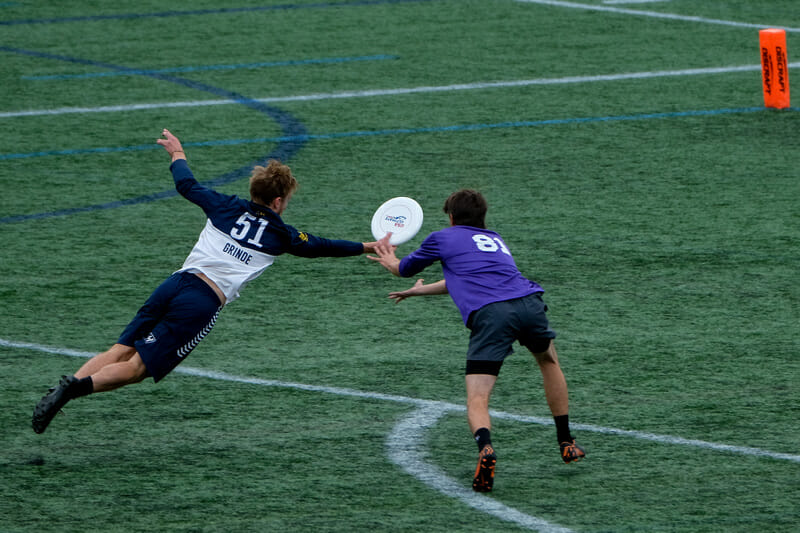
270 182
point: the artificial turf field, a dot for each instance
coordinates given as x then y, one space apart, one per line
628 161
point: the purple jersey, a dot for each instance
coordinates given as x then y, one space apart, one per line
477 266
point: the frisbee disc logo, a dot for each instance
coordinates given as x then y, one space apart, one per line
398 221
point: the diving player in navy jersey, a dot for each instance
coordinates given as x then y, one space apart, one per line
240 240
499 305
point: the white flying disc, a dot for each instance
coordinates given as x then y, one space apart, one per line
402 216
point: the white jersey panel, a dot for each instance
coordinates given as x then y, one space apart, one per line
225 262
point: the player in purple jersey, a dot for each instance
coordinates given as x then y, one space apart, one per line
240 240
499 305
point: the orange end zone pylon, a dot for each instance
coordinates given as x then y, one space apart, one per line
774 68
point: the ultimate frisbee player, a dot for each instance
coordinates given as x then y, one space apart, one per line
499 305
240 240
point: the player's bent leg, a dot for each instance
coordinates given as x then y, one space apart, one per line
118 375
110 376
115 354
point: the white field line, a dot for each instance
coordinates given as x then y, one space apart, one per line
406 450
394 92
655 14
444 406
410 429
617 2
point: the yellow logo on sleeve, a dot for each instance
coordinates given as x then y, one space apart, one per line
303 236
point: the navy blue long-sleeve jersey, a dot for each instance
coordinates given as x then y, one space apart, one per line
242 238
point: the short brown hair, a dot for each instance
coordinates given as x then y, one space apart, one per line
468 208
270 182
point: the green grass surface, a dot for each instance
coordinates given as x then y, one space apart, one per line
667 242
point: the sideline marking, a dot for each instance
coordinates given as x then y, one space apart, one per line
427 413
655 14
446 406
395 92
634 1
303 138
400 131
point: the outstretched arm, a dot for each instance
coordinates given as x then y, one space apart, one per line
420 289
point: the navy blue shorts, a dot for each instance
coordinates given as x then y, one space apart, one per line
176 317
496 326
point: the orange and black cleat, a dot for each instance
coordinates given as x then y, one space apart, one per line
484 473
571 452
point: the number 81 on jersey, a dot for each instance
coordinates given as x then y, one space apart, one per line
488 244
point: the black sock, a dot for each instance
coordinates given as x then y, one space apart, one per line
562 428
83 387
483 438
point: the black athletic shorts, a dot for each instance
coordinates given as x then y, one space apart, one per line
496 326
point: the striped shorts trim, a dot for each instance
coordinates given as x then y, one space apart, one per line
187 348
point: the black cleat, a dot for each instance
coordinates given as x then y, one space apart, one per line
571 452
51 403
484 472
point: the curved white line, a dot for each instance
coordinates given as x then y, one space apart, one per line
407 452
409 456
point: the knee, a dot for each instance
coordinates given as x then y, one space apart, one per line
120 353
547 356
136 368
478 401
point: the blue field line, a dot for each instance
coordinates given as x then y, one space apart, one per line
145 72
218 11
401 131
291 127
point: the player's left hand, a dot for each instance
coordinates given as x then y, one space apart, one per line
172 145
399 296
